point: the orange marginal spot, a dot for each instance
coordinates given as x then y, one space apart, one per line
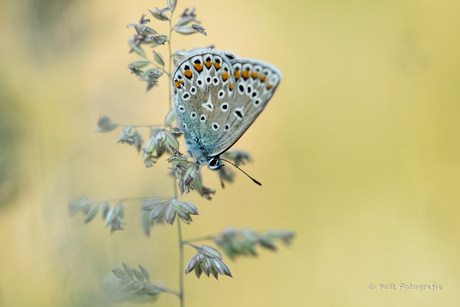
198 67
230 86
175 90
237 74
208 64
262 78
177 84
188 73
217 65
269 86
255 75
225 76
182 82
245 74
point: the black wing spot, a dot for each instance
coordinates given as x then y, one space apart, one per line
199 82
197 61
254 94
239 114
241 87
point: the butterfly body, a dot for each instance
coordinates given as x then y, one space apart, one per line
217 97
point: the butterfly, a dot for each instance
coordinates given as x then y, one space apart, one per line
217 96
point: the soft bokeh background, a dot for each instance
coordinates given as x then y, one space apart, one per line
358 152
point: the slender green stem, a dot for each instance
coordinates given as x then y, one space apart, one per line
179 230
181 255
181 265
169 291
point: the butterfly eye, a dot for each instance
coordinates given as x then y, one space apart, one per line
214 163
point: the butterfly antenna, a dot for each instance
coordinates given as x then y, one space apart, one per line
255 181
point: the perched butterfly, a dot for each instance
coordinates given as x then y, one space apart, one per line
217 97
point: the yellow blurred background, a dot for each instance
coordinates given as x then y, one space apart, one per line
358 153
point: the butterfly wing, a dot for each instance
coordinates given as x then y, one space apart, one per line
255 84
202 95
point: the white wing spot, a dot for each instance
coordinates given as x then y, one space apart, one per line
181 109
185 96
241 88
208 105
249 90
224 107
239 113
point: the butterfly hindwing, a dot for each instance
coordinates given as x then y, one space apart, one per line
255 83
